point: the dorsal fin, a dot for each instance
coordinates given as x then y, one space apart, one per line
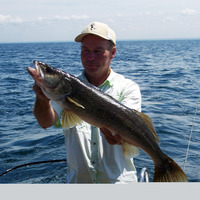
148 121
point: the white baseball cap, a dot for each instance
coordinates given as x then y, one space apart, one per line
97 28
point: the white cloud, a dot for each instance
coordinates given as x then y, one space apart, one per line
169 19
10 19
188 12
148 13
119 15
62 18
56 18
5 19
79 17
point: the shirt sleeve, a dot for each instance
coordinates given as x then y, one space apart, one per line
59 111
57 108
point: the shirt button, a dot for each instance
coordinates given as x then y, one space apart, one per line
94 143
93 162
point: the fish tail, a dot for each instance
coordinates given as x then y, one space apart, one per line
169 171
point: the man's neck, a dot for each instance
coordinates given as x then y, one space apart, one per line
98 80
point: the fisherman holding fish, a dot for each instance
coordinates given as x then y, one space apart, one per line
93 157
101 152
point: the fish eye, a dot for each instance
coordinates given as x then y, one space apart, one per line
49 70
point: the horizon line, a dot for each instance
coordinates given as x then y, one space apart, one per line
120 40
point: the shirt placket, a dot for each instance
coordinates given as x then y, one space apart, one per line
94 152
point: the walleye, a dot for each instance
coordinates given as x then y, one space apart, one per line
86 102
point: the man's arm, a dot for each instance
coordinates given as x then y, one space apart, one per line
43 111
111 139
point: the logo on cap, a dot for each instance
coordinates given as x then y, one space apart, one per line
92 27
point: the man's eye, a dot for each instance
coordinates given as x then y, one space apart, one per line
98 51
85 51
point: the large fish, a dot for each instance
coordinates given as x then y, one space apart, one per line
86 102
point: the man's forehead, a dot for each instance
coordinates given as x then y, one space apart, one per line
94 41
93 38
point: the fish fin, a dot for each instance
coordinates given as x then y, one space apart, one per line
70 119
169 171
129 150
74 102
148 121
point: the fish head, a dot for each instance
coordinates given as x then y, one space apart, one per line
48 75
54 83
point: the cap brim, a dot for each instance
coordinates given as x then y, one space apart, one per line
80 37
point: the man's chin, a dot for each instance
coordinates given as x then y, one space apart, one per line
91 69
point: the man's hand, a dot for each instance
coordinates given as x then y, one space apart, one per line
116 139
39 93
43 111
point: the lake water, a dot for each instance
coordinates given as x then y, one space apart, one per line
168 75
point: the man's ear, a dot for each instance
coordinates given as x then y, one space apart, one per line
113 52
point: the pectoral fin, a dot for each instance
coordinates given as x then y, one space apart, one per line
74 102
129 150
70 119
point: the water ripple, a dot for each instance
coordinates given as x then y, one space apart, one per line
166 71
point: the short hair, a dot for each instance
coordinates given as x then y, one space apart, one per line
110 45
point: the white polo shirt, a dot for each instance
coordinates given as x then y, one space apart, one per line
90 158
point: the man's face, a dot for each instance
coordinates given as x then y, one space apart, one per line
96 55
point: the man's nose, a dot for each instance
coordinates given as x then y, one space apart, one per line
91 55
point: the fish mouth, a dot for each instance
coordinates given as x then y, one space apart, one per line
38 69
38 76
37 73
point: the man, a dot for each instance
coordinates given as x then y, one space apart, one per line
93 155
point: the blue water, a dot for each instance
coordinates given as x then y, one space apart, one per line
168 75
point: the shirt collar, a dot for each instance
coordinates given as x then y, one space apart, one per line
107 82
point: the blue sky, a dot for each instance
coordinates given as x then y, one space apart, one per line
62 20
